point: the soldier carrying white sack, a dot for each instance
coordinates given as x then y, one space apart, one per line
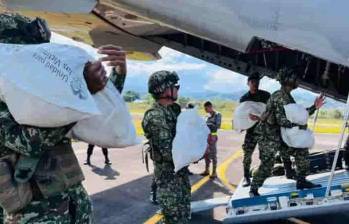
40 175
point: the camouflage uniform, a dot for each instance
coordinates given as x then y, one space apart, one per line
159 125
71 206
214 123
251 137
271 141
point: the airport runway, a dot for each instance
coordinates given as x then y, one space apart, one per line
120 192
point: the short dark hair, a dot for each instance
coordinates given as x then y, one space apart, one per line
207 104
254 76
190 105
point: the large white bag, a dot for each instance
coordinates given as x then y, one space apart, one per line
43 85
241 118
113 128
190 142
295 137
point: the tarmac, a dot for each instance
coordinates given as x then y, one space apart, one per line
120 192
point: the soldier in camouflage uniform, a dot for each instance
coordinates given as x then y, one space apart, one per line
270 135
42 159
159 125
213 122
256 95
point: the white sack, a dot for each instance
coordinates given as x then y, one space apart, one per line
190 142
241 118
295 137
43 84
113 128
296 113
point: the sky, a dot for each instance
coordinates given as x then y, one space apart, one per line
196 76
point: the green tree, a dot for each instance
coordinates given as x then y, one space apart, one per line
130 96
337 114
183 101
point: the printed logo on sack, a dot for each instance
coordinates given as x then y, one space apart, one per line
61 70
78 89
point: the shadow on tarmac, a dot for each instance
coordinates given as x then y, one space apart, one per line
107 171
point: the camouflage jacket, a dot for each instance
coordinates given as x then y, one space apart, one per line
275 117
159 125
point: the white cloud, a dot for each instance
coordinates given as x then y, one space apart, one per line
171 60
225 81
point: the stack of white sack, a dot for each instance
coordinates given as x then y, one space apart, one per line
296 137
43 86
190 142
241 117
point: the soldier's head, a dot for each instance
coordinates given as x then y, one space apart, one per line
288 77
208 107
253 82
17 29
190 106
164 85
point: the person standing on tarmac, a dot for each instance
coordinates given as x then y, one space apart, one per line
213 122
119 86
30 156
90 152
270 135
256 95
159 125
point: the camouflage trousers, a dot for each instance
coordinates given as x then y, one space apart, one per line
173 192
248 147
300 159
267 150
71 206
211 153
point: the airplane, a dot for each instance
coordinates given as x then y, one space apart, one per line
244 36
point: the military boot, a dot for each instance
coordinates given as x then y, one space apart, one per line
290 173
153 198
246 182
254 192
305 184
88 161
205 173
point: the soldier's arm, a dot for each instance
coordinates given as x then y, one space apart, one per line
280 116
27 140
117 79
161 137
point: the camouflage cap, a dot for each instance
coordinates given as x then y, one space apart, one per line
286 75
18 29
160 80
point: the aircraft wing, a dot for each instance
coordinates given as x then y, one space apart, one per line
241 35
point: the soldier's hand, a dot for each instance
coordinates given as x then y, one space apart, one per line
95 76
115 56
254 117
319 101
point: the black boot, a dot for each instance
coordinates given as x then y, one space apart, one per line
290 173
305 184
105 153
246 182
153 198
254 193
88 161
